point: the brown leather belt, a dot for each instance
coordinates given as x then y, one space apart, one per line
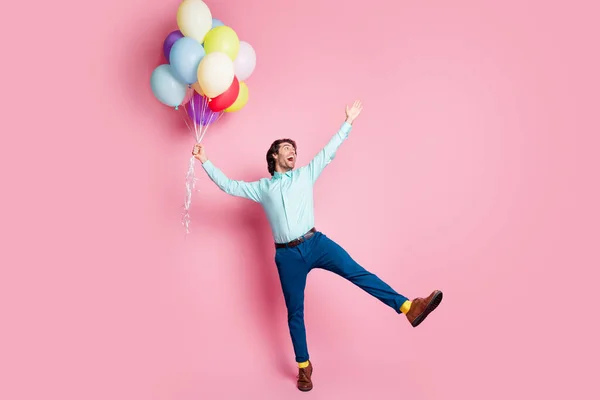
296 242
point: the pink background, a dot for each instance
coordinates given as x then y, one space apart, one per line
473 169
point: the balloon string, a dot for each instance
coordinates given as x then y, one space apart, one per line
198 127
190 180
190 185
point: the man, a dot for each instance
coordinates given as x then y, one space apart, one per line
287 199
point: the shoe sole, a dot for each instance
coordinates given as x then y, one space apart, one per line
435 301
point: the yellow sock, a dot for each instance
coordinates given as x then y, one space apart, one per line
405 306
303 364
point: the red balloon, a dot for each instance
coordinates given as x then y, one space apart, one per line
226 98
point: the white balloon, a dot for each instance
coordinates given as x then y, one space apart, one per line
215 73
194 19
245 62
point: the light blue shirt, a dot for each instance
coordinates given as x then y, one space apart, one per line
287 198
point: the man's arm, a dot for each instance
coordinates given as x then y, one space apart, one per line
247 190
327 154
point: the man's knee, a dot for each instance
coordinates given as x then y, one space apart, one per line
296 313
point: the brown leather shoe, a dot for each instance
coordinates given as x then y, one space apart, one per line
421 308
304 378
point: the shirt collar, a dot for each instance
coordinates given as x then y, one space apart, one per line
279 175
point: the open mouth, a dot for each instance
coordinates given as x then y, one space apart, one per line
290 159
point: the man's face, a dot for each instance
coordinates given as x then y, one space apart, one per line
286 157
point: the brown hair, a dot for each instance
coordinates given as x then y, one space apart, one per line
274 149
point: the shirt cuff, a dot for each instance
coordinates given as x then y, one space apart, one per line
207 165
346 128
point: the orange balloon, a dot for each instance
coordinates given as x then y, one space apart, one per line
197 88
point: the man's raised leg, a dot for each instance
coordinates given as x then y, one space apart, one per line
334 258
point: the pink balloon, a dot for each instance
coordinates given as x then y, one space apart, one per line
188 96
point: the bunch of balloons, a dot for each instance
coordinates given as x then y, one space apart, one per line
206 73
207 56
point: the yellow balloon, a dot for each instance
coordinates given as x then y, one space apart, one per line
241 100
224 40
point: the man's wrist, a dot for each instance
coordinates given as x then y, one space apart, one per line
349 121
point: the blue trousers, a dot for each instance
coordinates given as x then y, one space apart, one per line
293 266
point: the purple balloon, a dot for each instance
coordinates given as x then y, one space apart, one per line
199 111
169 41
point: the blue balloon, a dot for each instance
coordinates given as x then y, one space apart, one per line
217 22
185 57
166 87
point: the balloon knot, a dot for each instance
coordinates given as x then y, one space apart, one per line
176 108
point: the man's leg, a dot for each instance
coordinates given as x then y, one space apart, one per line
292 274
293 270
334 258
